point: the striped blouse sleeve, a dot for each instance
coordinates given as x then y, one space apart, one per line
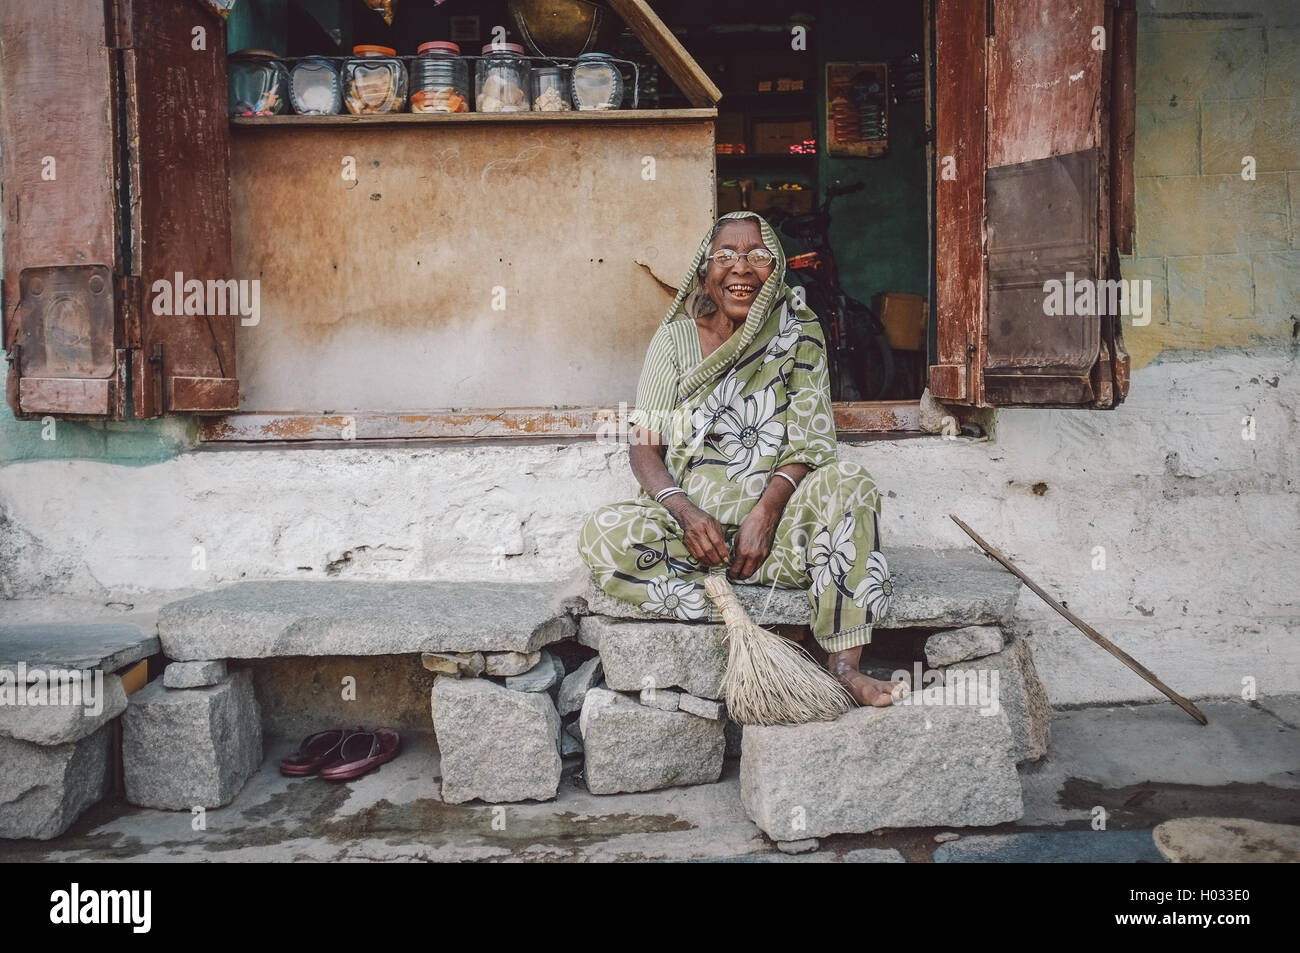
656 392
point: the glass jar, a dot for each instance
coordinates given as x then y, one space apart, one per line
501 80
374 81
257 83
439 79
550 89
596 82
314 87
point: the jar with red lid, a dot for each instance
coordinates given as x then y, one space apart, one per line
439 79
374 81
501 80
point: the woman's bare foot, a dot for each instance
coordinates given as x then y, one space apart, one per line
865 689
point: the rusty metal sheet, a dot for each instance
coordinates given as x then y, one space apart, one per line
59 207
959 38
1042 227
463 264
204 394
1044 79
64 325
65 396
180 170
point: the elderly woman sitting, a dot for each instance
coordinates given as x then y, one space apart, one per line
734 447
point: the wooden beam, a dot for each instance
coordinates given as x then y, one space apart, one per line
668 52
499 423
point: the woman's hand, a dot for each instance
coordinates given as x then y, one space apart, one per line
703 535
754 541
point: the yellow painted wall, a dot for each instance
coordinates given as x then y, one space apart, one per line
1216 82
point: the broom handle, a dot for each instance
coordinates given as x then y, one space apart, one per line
1088 630
719 590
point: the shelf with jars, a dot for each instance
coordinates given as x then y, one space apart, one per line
439 83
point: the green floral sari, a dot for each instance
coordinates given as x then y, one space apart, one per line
758 402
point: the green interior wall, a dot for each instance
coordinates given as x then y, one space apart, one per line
880 234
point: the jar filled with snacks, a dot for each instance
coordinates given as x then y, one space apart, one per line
374 81
596 82
439 79
550 89
501 79
314 87
258 83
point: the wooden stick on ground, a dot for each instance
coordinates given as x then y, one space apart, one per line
1088 630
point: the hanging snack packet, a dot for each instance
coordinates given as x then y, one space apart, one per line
384 8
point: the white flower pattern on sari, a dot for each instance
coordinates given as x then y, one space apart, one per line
784 339
749 433
831 555
676 597
876 588
720 400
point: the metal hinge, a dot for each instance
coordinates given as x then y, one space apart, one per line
119 25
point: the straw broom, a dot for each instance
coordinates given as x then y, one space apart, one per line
770 680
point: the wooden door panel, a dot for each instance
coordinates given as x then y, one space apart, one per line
176 101
1044 80
61 252
960 294
1054 176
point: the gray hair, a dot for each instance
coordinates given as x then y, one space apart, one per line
703 268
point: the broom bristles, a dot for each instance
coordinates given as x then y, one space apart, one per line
770 680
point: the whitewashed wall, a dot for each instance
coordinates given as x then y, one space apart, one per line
1199 526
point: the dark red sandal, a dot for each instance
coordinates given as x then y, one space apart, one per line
316 751
362 753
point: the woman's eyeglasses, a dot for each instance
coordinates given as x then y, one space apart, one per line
758 257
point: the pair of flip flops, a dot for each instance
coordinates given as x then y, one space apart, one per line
341 754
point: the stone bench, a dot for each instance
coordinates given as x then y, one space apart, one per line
56 759
942 589
525 674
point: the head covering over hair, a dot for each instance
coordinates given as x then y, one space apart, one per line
774 293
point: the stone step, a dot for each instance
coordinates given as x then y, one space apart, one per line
904 766
273 618
107 646
932 589
58 695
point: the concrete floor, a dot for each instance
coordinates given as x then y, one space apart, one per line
1143 764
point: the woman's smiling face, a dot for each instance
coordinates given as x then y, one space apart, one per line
733 287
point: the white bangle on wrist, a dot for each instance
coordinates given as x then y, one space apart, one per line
788 477
667 492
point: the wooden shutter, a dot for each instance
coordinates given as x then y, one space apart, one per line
63 328
175 102
1039 123
135 189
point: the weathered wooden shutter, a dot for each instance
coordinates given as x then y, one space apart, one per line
179 132
1034 103
135 190
62 260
